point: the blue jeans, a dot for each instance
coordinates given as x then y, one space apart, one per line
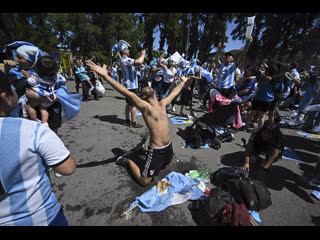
157 86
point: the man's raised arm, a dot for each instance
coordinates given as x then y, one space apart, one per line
175 91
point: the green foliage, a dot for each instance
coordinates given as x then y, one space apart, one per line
285 37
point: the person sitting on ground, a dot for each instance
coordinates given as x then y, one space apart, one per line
160 151
269 140
44 82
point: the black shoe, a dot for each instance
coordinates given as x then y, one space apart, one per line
122 161
127 123
135 125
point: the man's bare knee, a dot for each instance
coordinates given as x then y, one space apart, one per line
144 181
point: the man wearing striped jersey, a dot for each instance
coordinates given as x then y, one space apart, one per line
130 80
27 149
227 70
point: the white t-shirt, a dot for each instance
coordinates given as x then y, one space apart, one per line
168 75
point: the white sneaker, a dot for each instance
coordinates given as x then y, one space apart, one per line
57 174
173 109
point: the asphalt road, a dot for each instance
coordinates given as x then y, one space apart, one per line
99 190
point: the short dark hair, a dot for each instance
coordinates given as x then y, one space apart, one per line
228 54
275 70
278 139
47 66
253 68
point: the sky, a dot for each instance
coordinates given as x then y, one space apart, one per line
232 44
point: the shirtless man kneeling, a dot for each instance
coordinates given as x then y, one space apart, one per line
154 113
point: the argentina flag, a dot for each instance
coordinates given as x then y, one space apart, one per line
174 189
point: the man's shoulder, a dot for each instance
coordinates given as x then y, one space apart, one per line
14 120
22 125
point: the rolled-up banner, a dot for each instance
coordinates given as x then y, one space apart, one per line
250 26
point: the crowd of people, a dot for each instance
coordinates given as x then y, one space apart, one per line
30 97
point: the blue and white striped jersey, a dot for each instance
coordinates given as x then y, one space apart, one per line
226 76
130 80
46 87
27 148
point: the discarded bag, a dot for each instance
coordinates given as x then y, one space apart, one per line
251 192
235 215
222 174
99 88
209 210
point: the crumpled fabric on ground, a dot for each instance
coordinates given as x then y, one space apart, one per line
181 189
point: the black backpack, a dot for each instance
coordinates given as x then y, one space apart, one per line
147 73
251 192
222 174
196 136
209 210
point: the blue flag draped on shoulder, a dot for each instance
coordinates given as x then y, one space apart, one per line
206 74
71 103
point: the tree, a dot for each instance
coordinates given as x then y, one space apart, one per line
284 37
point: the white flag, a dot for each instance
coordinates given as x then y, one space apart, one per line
250 26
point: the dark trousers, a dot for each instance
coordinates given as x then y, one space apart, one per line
157 86
77 81
85 90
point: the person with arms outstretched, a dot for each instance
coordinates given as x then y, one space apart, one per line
160 151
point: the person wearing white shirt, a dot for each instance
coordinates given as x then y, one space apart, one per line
169 76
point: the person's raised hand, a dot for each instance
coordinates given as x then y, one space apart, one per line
183 78
100 70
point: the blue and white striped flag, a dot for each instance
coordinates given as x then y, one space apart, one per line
181 188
